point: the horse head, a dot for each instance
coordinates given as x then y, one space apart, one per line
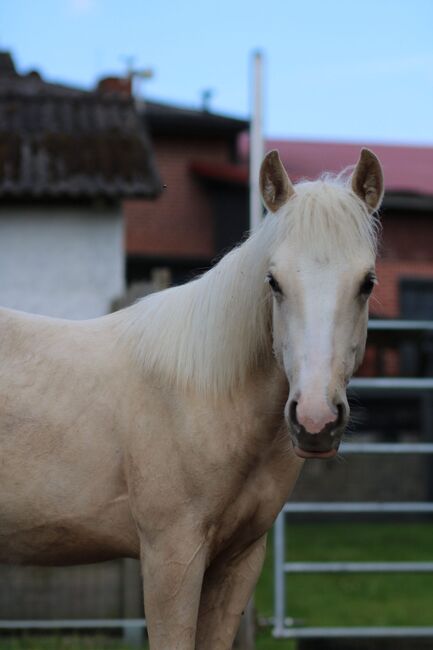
321 275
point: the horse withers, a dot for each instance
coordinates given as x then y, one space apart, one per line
173 431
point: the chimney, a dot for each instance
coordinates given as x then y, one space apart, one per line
115 86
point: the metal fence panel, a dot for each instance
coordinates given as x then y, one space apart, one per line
382 385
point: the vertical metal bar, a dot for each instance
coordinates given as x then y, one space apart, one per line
279 577
427 434
245 639
256 142
246 633
132 604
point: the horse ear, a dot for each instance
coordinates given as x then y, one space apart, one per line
367 180
275 186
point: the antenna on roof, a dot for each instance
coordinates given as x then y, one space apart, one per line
206 96
135 74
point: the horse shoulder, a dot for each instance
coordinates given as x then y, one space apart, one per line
226 466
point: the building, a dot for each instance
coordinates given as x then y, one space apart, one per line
68 159
203 210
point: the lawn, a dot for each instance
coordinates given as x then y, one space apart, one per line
341 600
374 599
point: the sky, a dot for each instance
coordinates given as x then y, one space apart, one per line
334 69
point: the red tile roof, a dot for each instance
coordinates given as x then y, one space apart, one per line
406 168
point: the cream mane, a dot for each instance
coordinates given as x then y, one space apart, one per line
211 333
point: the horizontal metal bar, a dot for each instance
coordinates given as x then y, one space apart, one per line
358 567
73 624
386 448
352 632
398 324
269 621
416 384
410 507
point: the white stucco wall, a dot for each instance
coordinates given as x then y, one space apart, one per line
61 261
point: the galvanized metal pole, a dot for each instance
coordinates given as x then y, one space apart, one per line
246 634
132 602
427 432
256 141
279 577
245 639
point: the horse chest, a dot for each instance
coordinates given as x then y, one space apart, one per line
252 512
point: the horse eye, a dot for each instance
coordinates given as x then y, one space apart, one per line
274 284
367 284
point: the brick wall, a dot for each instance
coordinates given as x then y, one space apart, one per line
406 251
180 222
407 236
385 299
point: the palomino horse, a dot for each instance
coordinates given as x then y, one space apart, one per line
174 430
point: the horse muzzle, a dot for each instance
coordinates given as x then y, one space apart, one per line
315 438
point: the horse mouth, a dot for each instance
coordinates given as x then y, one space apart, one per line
304 453
324 445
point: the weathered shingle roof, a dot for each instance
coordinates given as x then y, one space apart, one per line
57 141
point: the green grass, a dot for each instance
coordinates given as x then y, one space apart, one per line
72 642
354 599
374 599
340 600
264 642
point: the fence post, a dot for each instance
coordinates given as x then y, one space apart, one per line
279 576
132 601
245 639
427 432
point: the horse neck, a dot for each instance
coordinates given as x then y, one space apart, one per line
238 330
214 332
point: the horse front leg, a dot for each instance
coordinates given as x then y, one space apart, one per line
227 588
173 567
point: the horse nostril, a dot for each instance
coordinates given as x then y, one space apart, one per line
341 412
292 413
